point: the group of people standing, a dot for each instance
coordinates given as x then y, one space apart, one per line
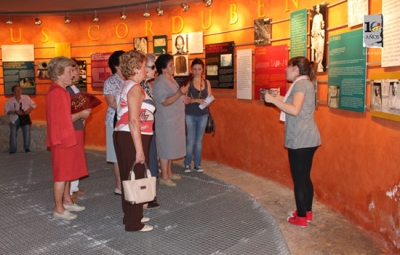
144 99
135 100
149 102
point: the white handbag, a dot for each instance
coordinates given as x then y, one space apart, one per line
140 190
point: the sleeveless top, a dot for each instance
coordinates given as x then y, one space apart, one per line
193 108
146 116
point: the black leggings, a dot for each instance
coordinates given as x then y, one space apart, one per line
300 161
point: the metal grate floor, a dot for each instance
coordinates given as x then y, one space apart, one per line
202 215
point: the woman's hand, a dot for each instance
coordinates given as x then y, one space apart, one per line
268 98
140 157
187 100
183 89
85 113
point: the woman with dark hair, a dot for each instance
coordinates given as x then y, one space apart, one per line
110 90
170 116
302 137
66 143
133 132
196 118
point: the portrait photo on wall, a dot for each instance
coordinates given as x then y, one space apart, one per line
376 96
181 65
159 44
385 96
318 38
262 31
333 96
179 44
140 43
42 70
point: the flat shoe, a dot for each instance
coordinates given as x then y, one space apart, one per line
117 192
152 205
175 177
66 215
168 183
74 208
146 228
145 219
79 192
74 198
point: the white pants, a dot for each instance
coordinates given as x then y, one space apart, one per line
74 186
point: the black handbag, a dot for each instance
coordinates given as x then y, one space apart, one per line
24 120
210 127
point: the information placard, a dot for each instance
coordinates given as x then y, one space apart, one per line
347 69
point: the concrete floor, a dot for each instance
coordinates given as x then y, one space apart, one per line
329 233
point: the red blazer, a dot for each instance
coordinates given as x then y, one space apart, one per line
60 130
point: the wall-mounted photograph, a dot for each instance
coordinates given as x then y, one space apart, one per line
262 31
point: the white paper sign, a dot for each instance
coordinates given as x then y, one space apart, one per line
195 42
18 53
244 73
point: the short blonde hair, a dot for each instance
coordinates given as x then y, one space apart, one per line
130 60
57 66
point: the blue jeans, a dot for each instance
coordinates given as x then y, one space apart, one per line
26 133
194 138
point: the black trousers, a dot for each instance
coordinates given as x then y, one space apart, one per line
300 161
126 156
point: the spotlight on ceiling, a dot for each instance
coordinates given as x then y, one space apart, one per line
38 22
185 7
208 2
95 18
9 22
67 20
123 14
146 13
159 11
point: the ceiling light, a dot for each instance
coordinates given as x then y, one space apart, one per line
159 11
67 20
9 22
208 2
38 21
123 14
185 7
95 18
146 13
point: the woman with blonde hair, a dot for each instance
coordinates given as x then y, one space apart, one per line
133 132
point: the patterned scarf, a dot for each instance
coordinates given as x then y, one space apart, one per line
147 88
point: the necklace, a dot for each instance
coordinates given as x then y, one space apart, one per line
198 95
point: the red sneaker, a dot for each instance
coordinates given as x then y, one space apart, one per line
298 221
308 215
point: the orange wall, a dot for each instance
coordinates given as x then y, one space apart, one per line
354 170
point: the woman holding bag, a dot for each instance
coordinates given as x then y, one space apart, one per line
302 137
196 118
133 133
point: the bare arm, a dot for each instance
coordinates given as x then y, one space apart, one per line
292 109
171 99
81 115
135 98
111 101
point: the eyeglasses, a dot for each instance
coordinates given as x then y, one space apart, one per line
151 67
